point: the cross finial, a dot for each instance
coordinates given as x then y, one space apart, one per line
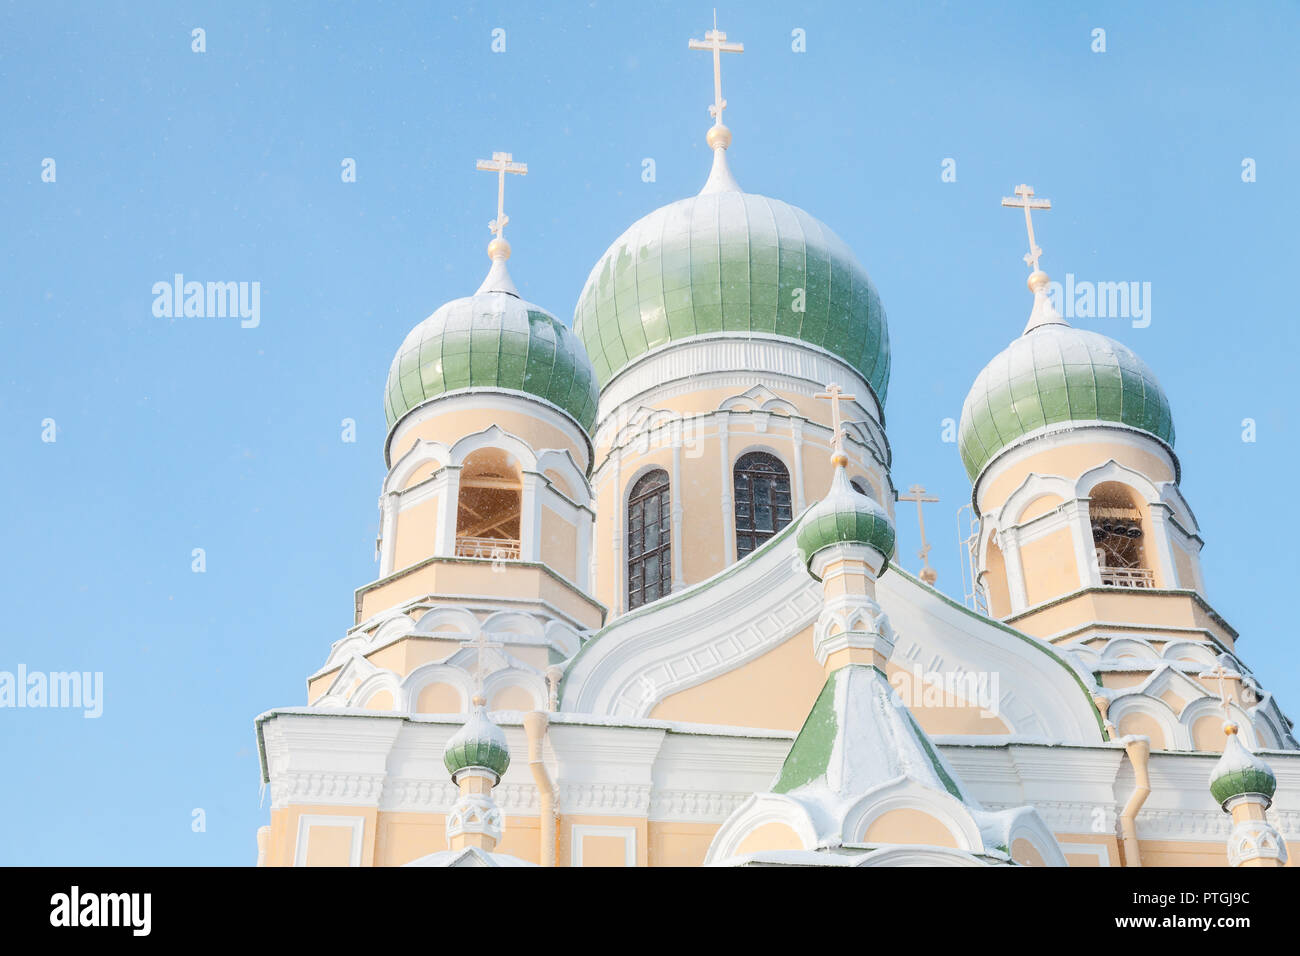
501 163
836 395
481 645
1229 726
716 41
1024 199
928 574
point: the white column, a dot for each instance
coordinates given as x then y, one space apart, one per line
675 502
584 561
387 532
530 519
448 488
617 520
1085 552
728 486
1163 547
1009 542
796 439
1085 557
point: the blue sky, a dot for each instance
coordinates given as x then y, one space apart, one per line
197 433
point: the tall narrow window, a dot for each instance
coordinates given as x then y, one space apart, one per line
649 542
762 500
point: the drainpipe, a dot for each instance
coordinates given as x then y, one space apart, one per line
1138 750
535 724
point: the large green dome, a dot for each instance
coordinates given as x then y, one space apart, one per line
492 339
1055 374
726 261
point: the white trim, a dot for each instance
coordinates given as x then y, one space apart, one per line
766 359
581 831
309 820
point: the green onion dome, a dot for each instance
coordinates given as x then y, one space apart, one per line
845 516
492 339
731 263
1053 377
479 745
1239 772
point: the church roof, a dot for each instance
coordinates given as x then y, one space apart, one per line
858 736
492 339
1239 772
735 263
1056 376
845 516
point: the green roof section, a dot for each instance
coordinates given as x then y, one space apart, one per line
1055 374
734 263
845 516
1239 772
810 754
479 744
494 340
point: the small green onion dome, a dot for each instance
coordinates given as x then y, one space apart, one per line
479 744
731 263
845 516
492 339
1239 772
1057 375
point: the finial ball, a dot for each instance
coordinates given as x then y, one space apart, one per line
1229 729
719 137
498 249
1038 281
840 460
479 700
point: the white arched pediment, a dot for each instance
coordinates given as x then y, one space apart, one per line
1176 736
444 620
759 810
1114 471
495 437
1034 486
760 398
905 794
420 453
436 672
563 463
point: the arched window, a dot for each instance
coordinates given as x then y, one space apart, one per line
649 542
1117 537
861 487
487 513
762 500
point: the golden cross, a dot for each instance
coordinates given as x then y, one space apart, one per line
1027 201
480 643
928 574
715 40
836 395
501 163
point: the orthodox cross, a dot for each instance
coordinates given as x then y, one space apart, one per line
715 40
1220 673
917 493
481 644
501 163
836 395
1025 200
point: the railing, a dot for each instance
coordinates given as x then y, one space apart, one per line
495 549
1128 578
